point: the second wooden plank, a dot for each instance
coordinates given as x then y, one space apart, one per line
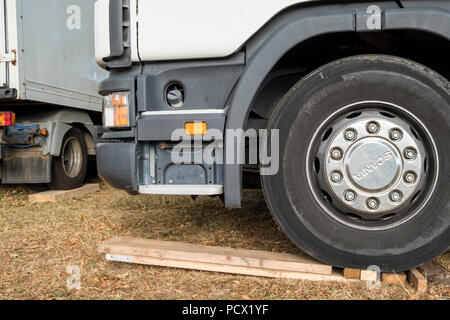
216 255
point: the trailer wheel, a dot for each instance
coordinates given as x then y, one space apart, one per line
364 170
69 169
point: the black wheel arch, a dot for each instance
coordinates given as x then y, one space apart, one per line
295 26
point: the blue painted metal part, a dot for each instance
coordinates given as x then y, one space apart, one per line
21 136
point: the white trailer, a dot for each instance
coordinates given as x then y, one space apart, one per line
49 79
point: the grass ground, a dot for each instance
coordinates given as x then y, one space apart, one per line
39 241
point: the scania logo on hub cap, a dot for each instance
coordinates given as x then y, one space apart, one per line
378 167
374 165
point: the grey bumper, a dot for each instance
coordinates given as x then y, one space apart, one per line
116 163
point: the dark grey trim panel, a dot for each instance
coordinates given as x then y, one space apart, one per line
122 134
116 163
439 4
123 80
296 29
119 34
207 83
161 127
119 80
115 28
431 20
8 93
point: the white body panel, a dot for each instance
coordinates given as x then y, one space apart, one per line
50 59
13 45
102 39
181 29
194 29
9 72
133 30
3 68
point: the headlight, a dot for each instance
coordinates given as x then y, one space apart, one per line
115 110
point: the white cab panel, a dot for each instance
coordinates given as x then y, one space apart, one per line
180 29
133 28
102 38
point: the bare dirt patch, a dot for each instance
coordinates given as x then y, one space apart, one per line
39 241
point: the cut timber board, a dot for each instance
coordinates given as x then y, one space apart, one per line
393 278
56 195
217 259
417 280
352 273
369 275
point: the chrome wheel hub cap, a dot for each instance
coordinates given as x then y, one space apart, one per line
369 168
372 165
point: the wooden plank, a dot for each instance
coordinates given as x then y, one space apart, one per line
417 280
368 275
393 278
190 253
233 269
57 195
352 273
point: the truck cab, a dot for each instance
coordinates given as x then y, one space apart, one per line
339 111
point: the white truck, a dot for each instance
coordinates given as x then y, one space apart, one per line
49 81
342 109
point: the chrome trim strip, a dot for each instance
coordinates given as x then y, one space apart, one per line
182 189
177 112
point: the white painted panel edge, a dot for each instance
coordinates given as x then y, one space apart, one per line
180 29
102 37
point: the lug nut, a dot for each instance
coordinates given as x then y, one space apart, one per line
336 154
396 196
395 134
410 177
350 195
350 135
372 203
410 153
336 177
373 127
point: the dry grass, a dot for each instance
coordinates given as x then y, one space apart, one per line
38 242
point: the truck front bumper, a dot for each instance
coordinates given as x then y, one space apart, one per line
116 163
150 163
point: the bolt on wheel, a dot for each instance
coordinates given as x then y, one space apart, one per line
373 164
72 155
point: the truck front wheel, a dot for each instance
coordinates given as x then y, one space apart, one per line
364 165
69 169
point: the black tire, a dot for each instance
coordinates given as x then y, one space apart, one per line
291 198
69 169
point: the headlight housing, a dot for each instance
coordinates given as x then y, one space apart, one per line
116 112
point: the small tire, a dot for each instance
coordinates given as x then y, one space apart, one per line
308 217
69 169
